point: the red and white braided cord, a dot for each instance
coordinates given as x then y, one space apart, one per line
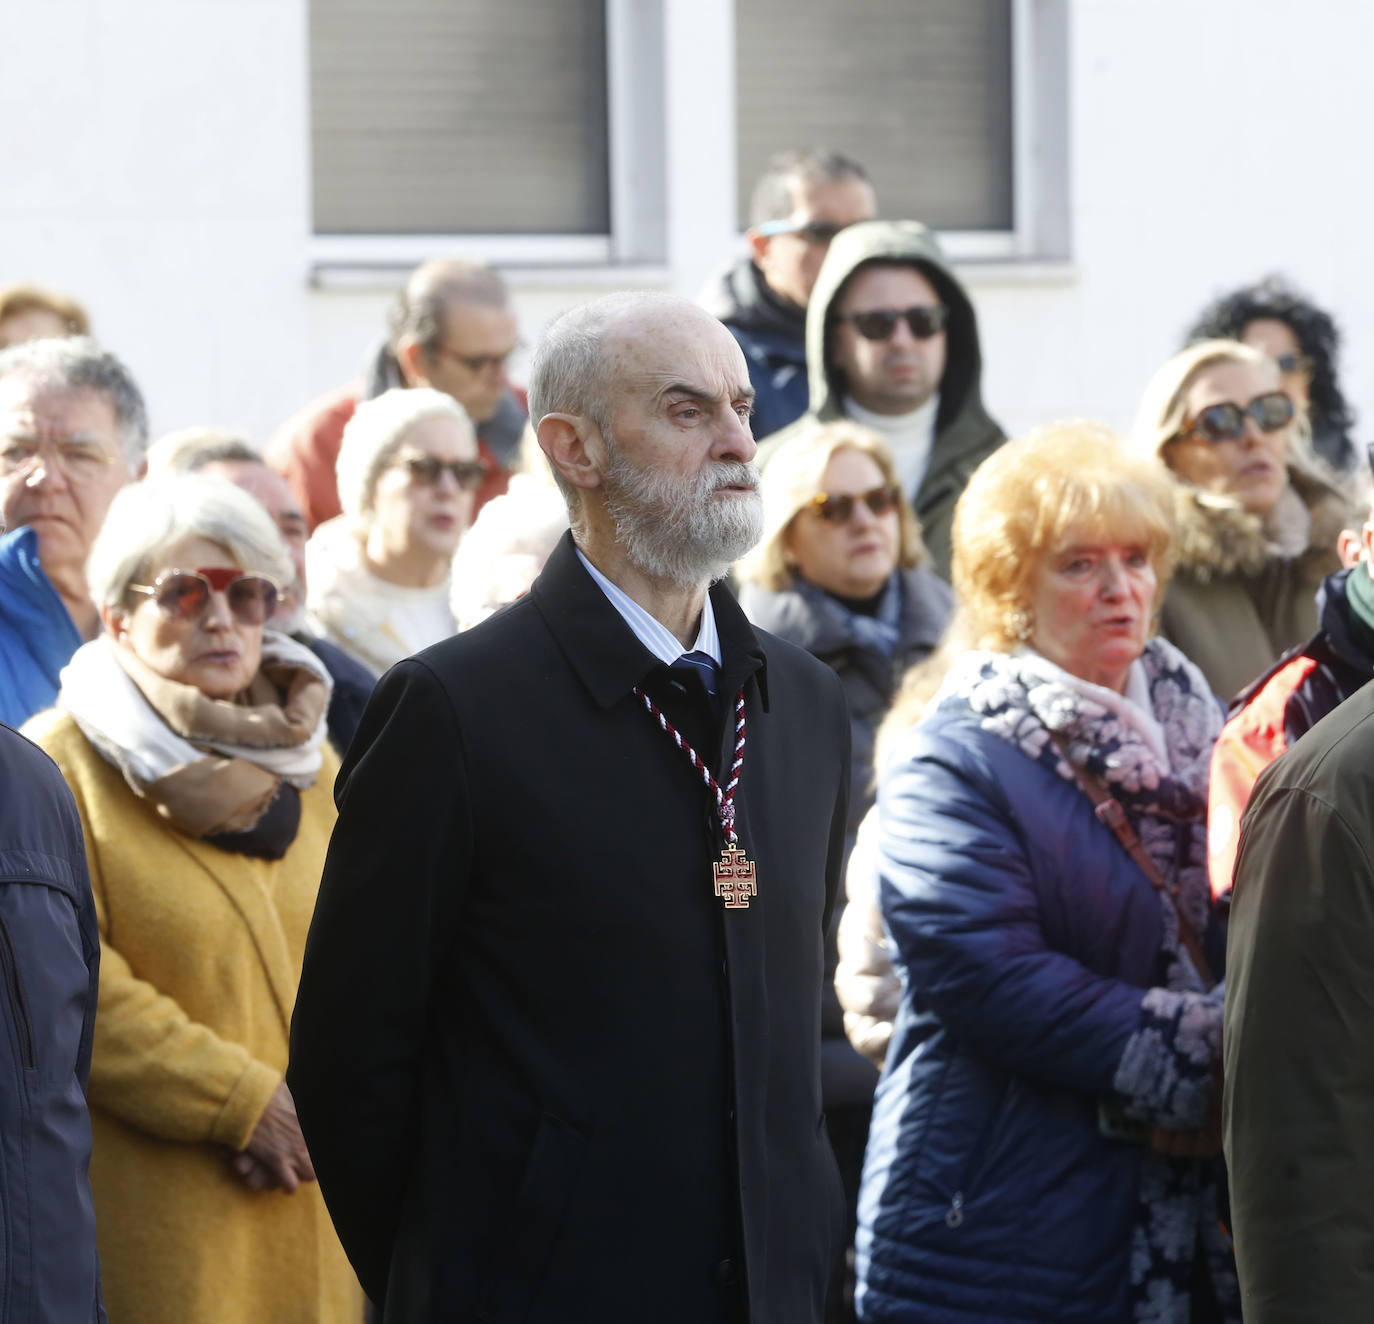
725 799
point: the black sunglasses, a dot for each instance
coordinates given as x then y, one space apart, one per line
1226 421
184 594
818 233
426 469
838 509
879 323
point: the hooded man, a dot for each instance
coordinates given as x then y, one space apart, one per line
892 342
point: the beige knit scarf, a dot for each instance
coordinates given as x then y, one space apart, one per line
208 766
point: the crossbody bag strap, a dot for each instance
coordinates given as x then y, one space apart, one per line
1109 812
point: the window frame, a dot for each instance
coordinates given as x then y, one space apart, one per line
657 124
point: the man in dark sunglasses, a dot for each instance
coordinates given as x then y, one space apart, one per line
892 343
800 203
452 327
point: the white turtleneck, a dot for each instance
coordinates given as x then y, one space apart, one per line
911 437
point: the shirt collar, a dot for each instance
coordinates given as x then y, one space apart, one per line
651 632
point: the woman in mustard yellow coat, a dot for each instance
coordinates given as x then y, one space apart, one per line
193 740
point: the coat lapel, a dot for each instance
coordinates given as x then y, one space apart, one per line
603 651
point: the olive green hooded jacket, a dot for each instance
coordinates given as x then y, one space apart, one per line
965 435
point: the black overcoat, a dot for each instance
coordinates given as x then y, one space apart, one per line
543 1074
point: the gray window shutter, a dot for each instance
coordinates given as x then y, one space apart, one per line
459 116
918 91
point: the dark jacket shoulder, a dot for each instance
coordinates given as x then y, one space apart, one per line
49 963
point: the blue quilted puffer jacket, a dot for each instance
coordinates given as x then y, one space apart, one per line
1025 937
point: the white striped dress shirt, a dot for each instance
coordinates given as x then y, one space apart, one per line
653 634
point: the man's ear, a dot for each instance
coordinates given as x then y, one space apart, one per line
758 243
574 446
410 358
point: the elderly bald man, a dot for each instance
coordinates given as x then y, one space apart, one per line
556 1047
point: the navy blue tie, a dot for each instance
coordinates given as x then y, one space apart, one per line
703 664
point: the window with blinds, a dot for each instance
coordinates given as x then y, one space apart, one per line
919 91
459 117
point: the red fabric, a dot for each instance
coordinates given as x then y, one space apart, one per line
305 451
496 481
1252 739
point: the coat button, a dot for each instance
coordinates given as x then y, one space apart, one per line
726 1275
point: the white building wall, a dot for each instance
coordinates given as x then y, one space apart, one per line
155 164
1213 141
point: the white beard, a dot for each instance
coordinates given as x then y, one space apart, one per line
676 529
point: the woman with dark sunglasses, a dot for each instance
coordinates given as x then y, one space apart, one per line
840 572
1305 342
378 575
1258 520
193 739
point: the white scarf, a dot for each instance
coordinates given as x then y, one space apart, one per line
118 720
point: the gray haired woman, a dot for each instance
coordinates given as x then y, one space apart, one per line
378 575
193 739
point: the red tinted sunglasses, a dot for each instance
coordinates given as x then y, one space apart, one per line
184 594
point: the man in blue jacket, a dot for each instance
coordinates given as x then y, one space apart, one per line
73 430
801 202
49 966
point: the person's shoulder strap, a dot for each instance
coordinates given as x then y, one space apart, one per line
1109 812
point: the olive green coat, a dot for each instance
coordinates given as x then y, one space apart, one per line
1299 1032
1235 604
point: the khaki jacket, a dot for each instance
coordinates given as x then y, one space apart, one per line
1235 604
1299 1034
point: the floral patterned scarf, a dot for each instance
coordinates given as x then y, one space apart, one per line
1152 748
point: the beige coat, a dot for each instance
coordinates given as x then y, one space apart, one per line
1236 603
201 954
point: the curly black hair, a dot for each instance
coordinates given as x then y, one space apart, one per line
1227 317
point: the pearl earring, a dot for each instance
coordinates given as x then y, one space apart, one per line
1018 624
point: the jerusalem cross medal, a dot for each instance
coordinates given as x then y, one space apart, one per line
734 873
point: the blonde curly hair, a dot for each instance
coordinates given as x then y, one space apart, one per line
1025 497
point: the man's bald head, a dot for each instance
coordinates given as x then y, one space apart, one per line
573 370
641 403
